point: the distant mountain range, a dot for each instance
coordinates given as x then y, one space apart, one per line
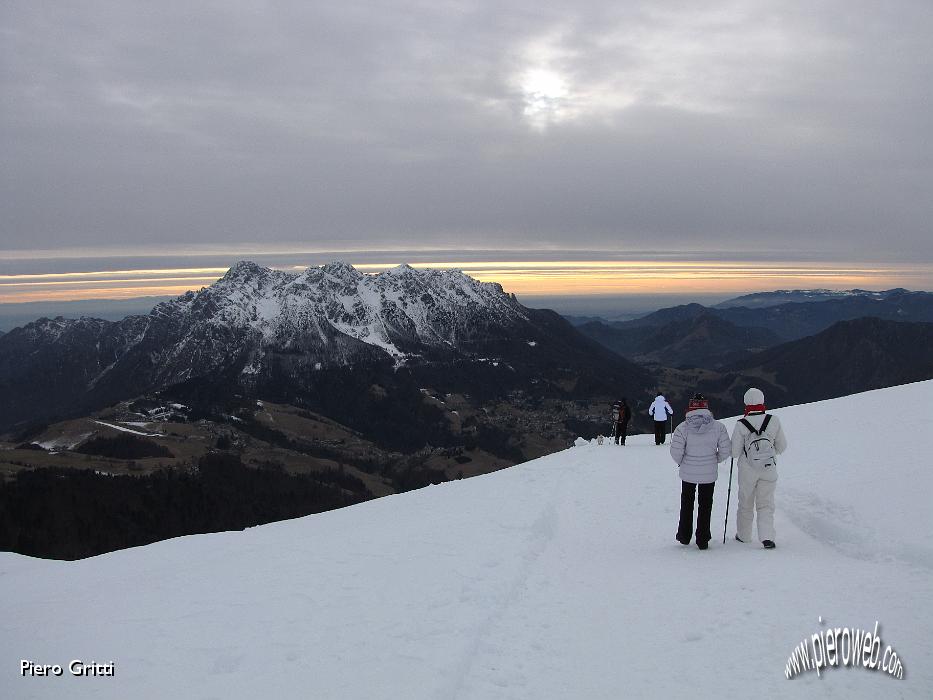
713 337
785 296
689 336
846 358
321 338
365 350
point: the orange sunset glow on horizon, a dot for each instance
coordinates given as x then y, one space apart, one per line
524 278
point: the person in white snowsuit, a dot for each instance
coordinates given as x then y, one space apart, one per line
698 445
660 409
757 477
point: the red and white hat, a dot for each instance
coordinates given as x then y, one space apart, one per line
698 401
754 401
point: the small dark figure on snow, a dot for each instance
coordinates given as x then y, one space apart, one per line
621 414
660 409
698 445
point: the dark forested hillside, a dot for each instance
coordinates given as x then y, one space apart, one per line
849 357
692 339
71 514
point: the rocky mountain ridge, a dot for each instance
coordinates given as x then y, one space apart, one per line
286 333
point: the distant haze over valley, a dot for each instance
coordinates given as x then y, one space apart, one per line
13 315
607 307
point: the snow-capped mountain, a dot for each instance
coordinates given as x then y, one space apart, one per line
257 327
558 578
399 311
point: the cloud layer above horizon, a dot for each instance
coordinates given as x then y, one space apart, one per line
763 127
526 278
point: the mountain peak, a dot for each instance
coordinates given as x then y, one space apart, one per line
400 270
257 325
245 269
341 270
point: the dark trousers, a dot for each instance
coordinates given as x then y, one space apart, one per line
685 528
621 429
660 430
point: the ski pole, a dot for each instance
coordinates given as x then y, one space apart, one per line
728 498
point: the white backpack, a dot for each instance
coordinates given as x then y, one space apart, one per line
759 448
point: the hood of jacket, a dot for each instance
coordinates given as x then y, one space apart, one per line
699 420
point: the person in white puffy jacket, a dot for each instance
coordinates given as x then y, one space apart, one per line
757 477
698 445
659 410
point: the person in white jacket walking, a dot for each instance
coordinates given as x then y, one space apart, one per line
698 445
756 441
660 409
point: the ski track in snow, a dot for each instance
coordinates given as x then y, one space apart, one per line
124 429
540 535
556 579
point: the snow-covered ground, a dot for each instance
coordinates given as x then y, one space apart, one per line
559 578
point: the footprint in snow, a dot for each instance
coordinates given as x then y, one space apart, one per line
226 664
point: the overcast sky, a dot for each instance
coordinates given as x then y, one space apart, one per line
798 130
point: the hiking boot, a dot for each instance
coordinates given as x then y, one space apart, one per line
769 544
702 545
677 537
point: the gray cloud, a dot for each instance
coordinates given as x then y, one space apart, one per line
763 126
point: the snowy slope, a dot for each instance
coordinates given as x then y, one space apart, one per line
559 578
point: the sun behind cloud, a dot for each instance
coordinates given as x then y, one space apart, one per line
545 93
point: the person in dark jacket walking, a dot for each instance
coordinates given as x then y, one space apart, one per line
622 419
698 445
